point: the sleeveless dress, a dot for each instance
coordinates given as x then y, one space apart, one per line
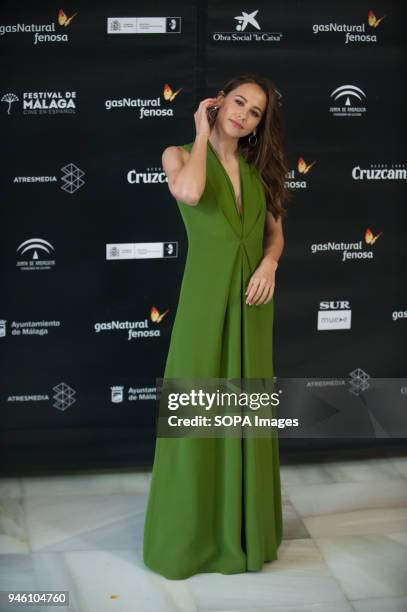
214 504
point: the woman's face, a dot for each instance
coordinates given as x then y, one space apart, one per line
241 110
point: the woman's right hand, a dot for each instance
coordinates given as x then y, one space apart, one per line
201 118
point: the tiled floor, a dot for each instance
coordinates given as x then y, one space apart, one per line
344 547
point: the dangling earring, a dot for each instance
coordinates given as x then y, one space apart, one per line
253 144
212 112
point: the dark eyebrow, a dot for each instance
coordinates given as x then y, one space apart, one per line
246 101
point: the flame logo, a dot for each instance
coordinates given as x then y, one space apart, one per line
302 167
169 94
155 315
370 238
63 19
372 19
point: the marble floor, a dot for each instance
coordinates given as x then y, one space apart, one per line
344 546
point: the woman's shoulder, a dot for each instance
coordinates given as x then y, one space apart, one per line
183 149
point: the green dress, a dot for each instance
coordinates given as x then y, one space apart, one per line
215 503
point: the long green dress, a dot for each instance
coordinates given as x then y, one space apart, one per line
215 503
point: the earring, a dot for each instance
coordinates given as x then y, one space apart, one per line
212 112
253 144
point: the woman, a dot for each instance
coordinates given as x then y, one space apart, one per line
215 503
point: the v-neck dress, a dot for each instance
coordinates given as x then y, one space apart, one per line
214 504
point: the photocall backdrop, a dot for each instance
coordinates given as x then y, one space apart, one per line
93 246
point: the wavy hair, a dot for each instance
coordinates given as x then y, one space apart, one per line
267 155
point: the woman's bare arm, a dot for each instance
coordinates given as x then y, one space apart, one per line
273 242
186 179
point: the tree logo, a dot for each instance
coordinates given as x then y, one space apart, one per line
9 98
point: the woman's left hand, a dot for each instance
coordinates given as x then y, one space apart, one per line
261 285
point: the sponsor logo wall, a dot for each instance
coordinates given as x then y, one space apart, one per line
90 97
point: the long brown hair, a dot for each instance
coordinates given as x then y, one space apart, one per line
267 155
